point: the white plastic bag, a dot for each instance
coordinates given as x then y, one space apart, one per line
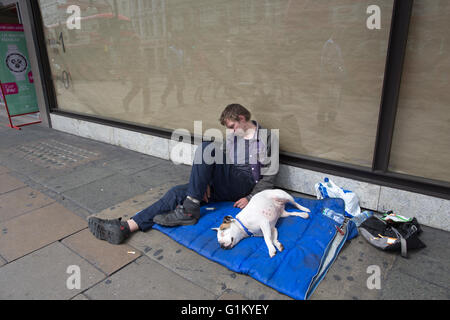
329 189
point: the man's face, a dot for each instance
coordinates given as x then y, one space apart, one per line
238 127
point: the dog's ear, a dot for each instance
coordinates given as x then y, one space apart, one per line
215 229
227 219
226 222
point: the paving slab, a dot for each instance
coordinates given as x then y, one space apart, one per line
9 183
106 192
401 286
431 270
34 230
80 297
128 208
132 162
79 177
198 269
20 201
3 170
58 197
437 245
164 173
54 153
13 138
347 277
43 275
146 279
427 268
53 156
232 295
107 257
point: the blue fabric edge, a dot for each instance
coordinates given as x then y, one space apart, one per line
351 232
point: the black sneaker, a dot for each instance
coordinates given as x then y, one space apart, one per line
114 231
184 215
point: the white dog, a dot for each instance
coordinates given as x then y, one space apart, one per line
259 218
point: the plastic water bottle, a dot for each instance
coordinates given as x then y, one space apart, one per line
339 218
363 216
327 181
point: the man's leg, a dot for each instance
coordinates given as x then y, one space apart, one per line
169 202
227 182
231 184
116 231
201 174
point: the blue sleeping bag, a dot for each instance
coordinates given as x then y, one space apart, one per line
310 246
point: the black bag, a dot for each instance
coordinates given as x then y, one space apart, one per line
392 236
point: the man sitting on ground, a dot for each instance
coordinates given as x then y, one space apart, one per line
250 163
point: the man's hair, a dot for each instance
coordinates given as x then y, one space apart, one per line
232 112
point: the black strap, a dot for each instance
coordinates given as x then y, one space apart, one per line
403 243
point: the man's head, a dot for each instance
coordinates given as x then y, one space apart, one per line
229 234
235 117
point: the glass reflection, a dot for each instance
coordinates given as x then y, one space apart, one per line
421 142
309 68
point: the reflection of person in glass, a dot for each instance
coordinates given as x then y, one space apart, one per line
175 76
201 71
136 70
332 75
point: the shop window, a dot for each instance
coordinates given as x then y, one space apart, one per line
312 69
421 142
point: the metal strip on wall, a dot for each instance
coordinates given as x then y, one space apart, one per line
398 39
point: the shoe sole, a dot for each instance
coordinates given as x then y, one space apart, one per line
97 228
175 224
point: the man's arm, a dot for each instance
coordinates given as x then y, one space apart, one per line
266 182
269 162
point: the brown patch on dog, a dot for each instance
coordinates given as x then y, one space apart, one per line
226 222
224 226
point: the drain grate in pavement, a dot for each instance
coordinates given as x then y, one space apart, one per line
54 154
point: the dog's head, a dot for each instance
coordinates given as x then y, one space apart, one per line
229 233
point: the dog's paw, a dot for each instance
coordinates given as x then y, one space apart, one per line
272 252
279 246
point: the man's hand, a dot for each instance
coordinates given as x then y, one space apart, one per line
241 203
